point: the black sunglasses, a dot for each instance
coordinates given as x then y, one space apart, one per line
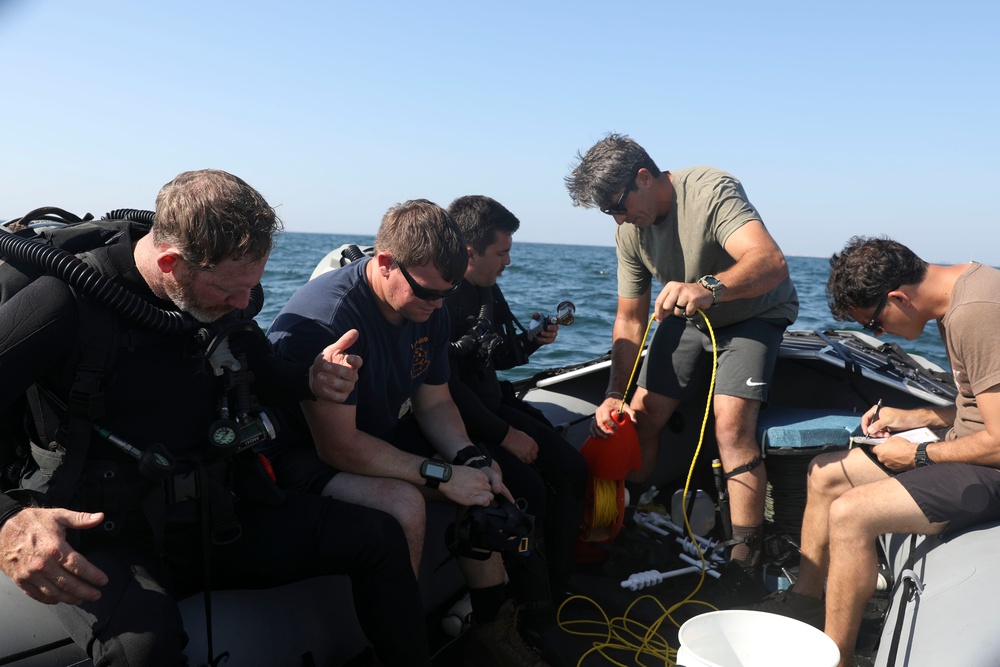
873 327
422 292
619 207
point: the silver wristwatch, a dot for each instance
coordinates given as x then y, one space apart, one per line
713 285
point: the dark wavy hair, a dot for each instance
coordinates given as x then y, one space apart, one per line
867 269
605 170
480 218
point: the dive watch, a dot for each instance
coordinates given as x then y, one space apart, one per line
435 472
920 457
713 285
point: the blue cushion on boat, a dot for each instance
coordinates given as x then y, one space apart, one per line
801 428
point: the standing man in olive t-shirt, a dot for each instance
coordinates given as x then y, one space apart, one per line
698 234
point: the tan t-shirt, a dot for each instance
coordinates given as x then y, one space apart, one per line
969 330
708 206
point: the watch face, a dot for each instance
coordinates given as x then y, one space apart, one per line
711 281
435 470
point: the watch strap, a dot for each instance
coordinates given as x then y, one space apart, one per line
921 457
713 285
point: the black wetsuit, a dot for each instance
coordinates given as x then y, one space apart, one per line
159 391
489 409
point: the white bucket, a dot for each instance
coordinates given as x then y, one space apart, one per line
742 638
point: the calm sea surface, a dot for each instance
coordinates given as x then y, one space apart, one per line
541 275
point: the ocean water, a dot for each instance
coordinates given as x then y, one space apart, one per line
541 275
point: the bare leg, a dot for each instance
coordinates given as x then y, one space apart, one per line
652 411
857 518
482 573
830 476
735 433
400 499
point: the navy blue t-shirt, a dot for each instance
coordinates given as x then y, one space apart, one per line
397 359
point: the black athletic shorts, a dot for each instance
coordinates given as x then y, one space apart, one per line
959 493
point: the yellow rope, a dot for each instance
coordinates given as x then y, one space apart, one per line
605 502
606 491
622 634
635 366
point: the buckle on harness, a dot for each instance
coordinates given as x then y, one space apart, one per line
181 487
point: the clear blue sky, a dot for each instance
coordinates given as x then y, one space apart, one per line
840 118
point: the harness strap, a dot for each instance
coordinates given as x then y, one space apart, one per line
515 344
744 468
216 494
87 400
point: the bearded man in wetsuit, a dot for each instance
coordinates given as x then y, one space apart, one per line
528 448
110 559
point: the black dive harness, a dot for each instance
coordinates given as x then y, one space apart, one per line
58 472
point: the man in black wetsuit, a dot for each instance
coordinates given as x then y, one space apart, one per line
111 554
529 450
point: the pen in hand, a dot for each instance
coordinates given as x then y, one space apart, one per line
878 406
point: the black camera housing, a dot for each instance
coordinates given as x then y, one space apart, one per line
502 527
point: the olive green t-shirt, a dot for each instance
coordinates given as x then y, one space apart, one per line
708 206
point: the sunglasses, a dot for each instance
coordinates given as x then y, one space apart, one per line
422 292
619 207
873 327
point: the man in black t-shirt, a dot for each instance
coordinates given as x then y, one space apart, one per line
365 452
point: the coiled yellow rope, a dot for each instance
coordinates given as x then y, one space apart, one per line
605 502
622 634
606 490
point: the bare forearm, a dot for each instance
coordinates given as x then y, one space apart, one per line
342 446
364 454
631 319
623 355
442 424
756 272
981 448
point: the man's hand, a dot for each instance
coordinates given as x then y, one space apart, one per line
334 373
890 420
896 454
604 424
682 300
548 332
468 486
520 444
35 555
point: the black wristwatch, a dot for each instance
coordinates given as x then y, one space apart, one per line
920 457
435 472
713 285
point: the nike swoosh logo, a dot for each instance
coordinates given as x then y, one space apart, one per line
751 383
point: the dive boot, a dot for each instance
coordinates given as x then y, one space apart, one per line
498 643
